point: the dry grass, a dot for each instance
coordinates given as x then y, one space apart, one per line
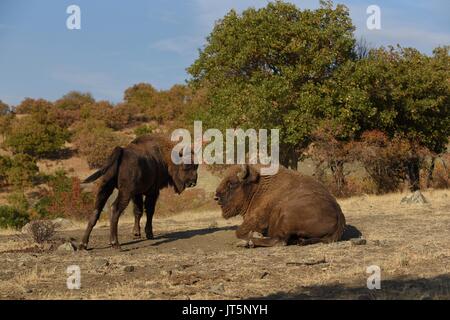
195 252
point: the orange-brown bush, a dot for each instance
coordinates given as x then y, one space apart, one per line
327 149
95 141
121 116
385 159
65 198
440 175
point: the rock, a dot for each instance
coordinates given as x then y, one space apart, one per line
218 289
128 269
26 228
62 223
426 297
414 198
28 291
263 274
66 247
101 263
358 241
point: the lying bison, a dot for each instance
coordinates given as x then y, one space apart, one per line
279 209
142 168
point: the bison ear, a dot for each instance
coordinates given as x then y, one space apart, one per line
248 174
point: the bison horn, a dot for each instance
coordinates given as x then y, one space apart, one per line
242 175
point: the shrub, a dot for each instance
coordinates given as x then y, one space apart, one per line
143 129
12 218
95 142
124 115
19 201
441 173
19 171
385 159
65 199
42 230
327 149
5 123
29 105
74 100
36 135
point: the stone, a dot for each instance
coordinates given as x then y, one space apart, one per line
66 247
414 198
218 289
358 241
101 263
128 268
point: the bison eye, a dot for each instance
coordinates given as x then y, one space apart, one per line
232 185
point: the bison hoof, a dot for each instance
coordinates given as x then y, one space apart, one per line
149 236
242 244
137 236
82 246
257 235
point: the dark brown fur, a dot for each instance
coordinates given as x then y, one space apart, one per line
142 168
283 207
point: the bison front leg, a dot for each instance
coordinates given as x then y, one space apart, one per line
138 211
150 203
245 232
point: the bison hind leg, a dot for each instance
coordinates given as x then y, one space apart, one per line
308 241
266 242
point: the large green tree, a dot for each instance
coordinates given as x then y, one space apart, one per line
400 91
262 69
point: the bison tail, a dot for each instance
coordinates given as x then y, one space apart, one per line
112 163
337 235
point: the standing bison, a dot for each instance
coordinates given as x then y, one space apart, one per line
279 209
142 168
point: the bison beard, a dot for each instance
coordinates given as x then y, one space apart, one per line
279 209
141 169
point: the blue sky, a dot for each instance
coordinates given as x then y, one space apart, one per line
125 42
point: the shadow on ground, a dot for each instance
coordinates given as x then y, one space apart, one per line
398 288
350 232
178 235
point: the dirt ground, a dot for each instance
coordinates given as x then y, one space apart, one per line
194 256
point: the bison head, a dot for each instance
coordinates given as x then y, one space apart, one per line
183 175
235 191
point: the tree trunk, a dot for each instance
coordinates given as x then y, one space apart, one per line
430 172
413 168
337 168
289 160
